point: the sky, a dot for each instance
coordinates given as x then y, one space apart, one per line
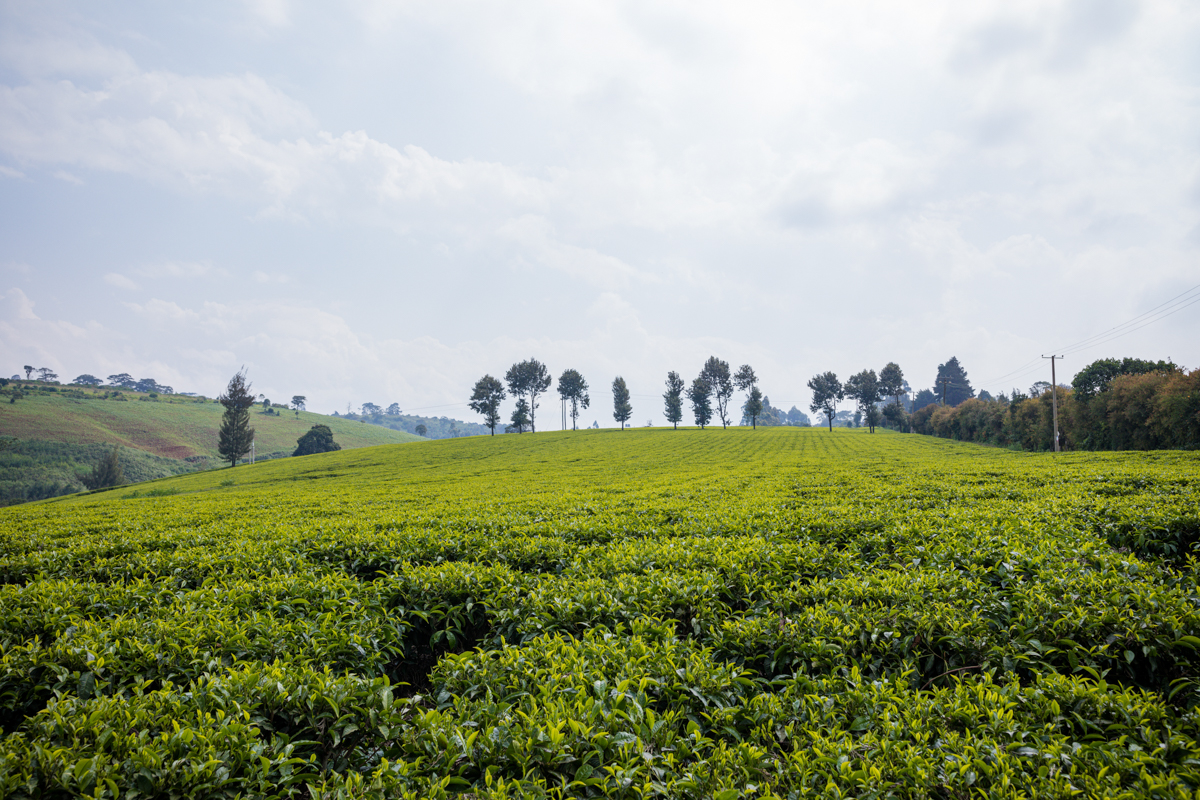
378 201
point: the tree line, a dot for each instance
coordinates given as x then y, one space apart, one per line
710 392
1112 404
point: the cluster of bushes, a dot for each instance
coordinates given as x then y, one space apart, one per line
1111 405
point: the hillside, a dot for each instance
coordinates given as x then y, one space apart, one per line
786 612
165 435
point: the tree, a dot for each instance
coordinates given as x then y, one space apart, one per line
236 435
572 387
485 399
952 379
86 380
747 381
46 374
673 399
393 410
700 393
122 379
28 372
107 472
298 401
146 385
753 405
421 430
1096 377
622 410
528 379
798 418
864 387
318 439
716 373
894 414
371 410
924 398
827 393
891 381
520 417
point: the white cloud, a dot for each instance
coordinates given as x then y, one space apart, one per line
9 172
63 175
120 281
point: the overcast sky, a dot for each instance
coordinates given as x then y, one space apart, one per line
382 201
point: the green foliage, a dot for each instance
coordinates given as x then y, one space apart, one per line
319 439
573 388
720 383
700 396
486 397
827 392
952 384
673 399
235 435
528 379
778 614
520 419
107 472
622 409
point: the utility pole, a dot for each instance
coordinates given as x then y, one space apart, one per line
945 383
1054 398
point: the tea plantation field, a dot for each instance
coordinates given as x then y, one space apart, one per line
642 613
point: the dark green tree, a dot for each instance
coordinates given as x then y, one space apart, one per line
47 374
235 435
28 372
520 417
891 381
952 381
1095 377
318 439
298 401
925 397
486 398
827 392
673 399
421 430
746 381
87 380
700 395
107 472
528 379
720 380
864 388
122 379
574 389
622 409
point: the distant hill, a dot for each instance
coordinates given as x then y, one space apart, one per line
60 432
435 427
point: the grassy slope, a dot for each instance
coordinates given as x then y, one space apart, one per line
171 429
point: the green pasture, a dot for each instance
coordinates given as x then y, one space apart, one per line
170 426
779 613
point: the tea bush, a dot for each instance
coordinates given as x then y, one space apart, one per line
654 613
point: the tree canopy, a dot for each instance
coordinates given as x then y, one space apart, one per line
699 394
520 417
298 401
1096 377
622 409
528 379
673 399
318 439
827 392
235 435
891 381
954 378
574 389
486 398
864 388
720 380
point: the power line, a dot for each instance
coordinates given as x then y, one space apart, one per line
1159 312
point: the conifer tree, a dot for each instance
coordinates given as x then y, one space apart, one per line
673 398
107 472
236 435
622 410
